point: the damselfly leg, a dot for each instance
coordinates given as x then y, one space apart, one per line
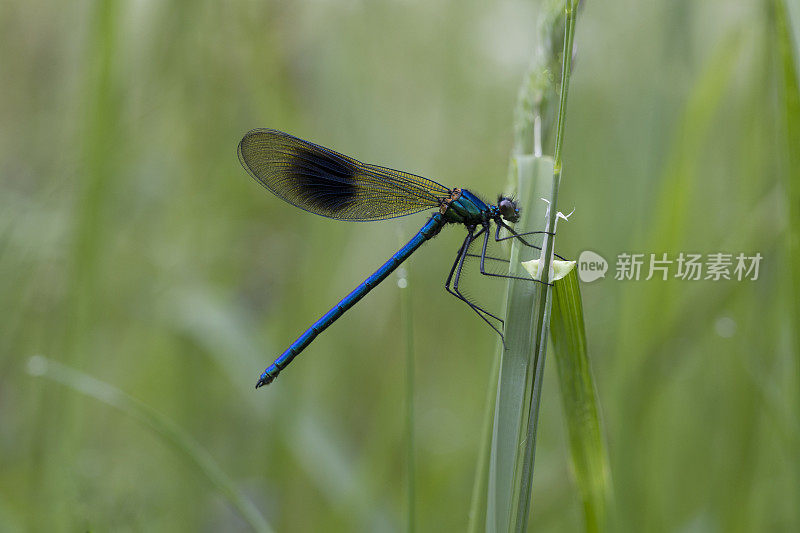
518 236
454 277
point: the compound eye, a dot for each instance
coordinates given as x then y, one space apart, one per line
508 209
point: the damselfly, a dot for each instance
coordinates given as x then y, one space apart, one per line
334 185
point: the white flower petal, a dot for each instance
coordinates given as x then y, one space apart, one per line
558 269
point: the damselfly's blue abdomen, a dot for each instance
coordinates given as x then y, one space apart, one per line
428 231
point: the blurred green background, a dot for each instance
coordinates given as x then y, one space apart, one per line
134 248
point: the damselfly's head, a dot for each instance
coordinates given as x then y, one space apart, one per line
508 208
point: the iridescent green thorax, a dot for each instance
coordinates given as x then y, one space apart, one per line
465 208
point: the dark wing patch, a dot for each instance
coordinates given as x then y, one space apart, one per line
325 185
331 184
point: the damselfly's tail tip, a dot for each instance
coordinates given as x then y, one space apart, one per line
265 379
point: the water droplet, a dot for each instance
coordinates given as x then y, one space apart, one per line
37 365
725 327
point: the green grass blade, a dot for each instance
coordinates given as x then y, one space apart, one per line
477 508
789 90
518 368
588 452
528 308
408 327
523 475
787 20
671 218
98 135
537 321
160 424
635 373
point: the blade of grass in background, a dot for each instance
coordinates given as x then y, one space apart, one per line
789 90
478 501
321 449
579 398
789 111
669 225
671 216
160 424
408 329
97 135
